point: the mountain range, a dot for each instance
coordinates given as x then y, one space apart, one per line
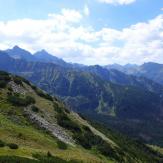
125 98
150 70
37 127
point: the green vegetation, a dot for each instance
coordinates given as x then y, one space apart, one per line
62 145
15 159
2 144
13 146
35 109
51 159
64 121
18 80
43 94
20 100
38 159
22 140
131 147
10 145
3 84
89 141
4 79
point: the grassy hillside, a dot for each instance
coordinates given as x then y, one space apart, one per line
130 104
35 127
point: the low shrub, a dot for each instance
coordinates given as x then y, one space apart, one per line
57 108
87 139
20 100
35 109
3 73
26 81
86 128
42 94
3 83
4 76
64 121
49 154
18 80
10 89
61 145
67 110
16 159
2 144
52 159
13 146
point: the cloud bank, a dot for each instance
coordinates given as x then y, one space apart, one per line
64 36
117 2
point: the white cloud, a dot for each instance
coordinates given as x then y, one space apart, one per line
117 2
64 36
86 10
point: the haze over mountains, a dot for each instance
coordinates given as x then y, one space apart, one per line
121 97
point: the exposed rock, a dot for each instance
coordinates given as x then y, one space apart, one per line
17 88
53 128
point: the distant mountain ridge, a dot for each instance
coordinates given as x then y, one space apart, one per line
96 91
41 56
19 53
150 70
92 89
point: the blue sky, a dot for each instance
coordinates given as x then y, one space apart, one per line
101 21
102 14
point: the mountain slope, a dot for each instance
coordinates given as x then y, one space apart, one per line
87 92
120 78
19 53
37 126
122 101
150 70
44 56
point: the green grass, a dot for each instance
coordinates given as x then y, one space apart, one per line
37 145
16 128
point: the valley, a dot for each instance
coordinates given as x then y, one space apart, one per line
118 113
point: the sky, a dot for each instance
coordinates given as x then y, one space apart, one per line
85 31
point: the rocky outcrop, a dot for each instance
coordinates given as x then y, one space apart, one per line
53 128
17 88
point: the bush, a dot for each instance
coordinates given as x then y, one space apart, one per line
42 94
57 108
67 110
35 109
16 159
10 89
4 76
61 145
26 81
3 73
88 139
86 128
2 144
17 80
29 100
21 101
3 84
52 159
12 146
64 121
49 154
